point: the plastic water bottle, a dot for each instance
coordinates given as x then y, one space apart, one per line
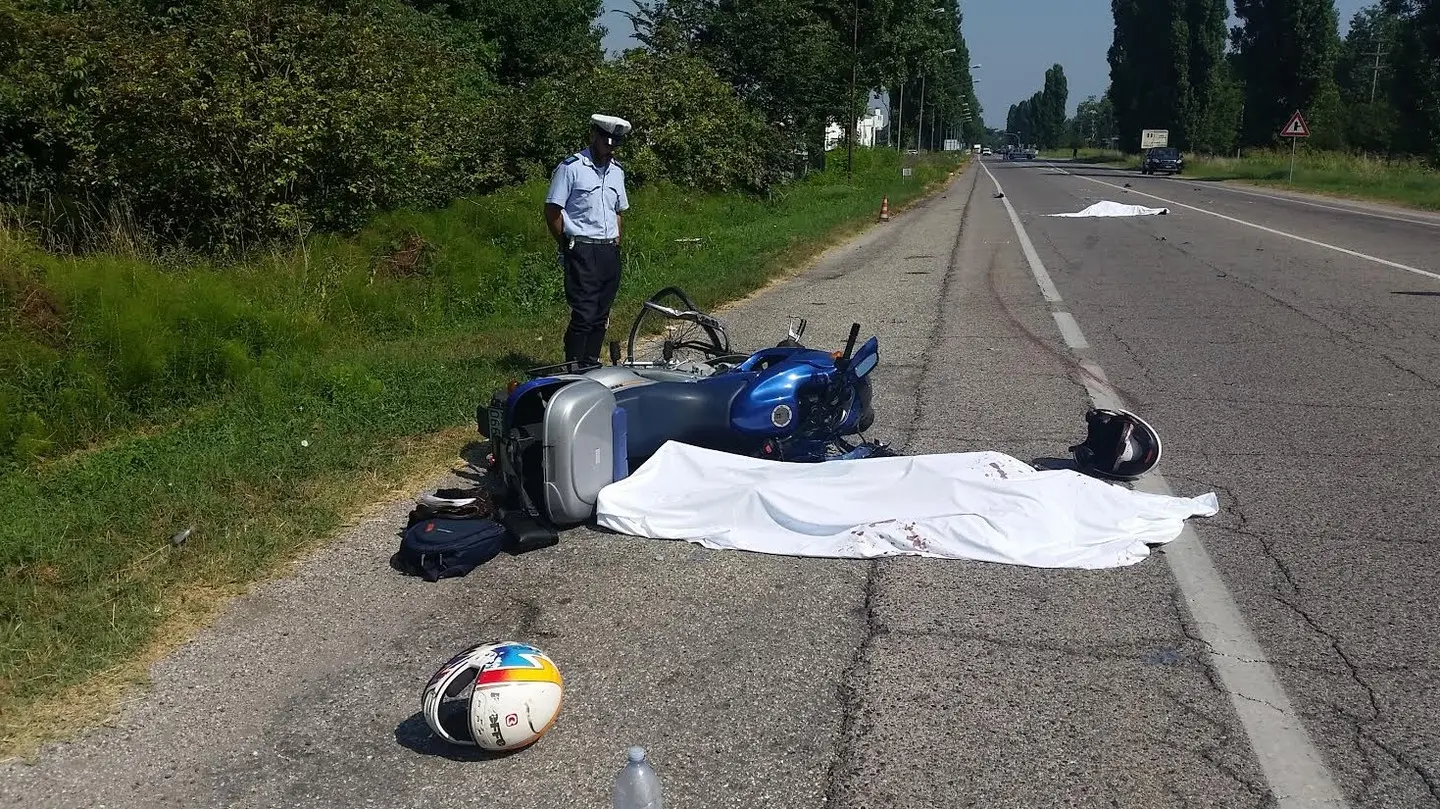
636 785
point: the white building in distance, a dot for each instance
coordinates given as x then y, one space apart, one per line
865 129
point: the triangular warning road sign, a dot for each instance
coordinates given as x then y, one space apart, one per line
1296 127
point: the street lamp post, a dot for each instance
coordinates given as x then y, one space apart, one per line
850 106
920 127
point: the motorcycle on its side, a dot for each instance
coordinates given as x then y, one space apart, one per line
566 432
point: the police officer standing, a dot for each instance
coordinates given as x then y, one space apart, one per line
583 211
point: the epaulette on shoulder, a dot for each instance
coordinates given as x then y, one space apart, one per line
571 159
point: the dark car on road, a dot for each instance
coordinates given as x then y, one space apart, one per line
1164 158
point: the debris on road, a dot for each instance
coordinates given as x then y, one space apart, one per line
1108 208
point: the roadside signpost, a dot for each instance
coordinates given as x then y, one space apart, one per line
1154 138
1295 129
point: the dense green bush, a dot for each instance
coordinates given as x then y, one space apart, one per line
227 121
692 129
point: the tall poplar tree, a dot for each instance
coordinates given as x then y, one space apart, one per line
1168 71
1416 75
1286 51
1149 74
1212 120
1054 100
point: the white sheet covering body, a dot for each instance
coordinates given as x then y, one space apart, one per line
985 506
1108 208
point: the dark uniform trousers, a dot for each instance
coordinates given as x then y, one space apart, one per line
592 278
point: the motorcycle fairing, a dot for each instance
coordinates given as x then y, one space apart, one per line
696 412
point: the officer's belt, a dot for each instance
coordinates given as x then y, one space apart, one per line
588 240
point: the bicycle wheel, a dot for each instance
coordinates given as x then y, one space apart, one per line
658 338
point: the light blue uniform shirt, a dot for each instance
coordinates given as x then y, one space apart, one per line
590 197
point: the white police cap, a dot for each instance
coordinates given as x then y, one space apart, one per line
616 128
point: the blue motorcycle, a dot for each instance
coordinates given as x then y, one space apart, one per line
565 433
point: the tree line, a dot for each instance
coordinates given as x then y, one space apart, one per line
222 124
792 60
1041 120
1174 65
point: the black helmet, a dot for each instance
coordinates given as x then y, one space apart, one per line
1119 445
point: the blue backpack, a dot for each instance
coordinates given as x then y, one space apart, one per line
440 547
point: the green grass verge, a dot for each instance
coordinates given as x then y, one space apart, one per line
265 403
1406 182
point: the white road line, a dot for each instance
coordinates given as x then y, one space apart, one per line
1047 288
1293 768
1337 249
1070 330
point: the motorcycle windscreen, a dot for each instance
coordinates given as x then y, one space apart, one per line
865 359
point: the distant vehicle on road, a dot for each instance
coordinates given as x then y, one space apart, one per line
986 151
1162 158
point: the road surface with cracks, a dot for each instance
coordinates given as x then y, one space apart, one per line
1295 380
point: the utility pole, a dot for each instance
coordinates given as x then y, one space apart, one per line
850 106
1375 73
900 119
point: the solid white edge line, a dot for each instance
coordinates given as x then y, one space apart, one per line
1293 768
1397 265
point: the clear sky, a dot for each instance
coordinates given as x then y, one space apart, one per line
1015 42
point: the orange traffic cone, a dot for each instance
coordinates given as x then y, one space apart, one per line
885 208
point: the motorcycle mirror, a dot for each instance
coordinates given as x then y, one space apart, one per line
866 358
865 365
795 331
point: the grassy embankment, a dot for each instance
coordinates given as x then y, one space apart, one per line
1404 182
268 404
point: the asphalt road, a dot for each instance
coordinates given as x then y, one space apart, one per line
1297 381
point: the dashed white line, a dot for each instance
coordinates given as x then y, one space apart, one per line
1397 265
1293 768
1070 330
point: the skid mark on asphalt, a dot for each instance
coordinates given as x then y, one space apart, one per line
1066 359
1296 774
1347 251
